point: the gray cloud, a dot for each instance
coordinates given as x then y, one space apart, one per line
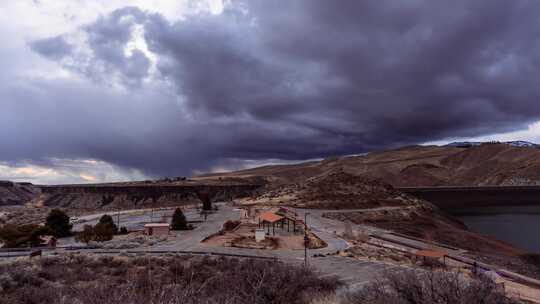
54 48
294 80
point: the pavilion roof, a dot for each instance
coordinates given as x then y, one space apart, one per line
270 217
156 225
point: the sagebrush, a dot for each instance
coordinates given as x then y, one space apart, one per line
138 280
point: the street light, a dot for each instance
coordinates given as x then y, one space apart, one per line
306 239
118 218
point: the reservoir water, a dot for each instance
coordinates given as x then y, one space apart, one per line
516 225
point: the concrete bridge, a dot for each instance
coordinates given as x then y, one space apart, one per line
484 196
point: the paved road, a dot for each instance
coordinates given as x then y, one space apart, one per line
133 219
355 273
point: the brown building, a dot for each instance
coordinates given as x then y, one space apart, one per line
158 229
48 240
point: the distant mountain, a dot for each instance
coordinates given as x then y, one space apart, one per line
464 144
468 144
481 164
521 143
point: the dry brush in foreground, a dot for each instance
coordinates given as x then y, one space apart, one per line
430 287
178 279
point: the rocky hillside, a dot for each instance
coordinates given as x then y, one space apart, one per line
477 165
16 193
130 196
335 189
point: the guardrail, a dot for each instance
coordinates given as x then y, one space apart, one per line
119 251
424 241
471 262
8 250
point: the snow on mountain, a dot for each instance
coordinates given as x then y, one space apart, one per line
521 143
516 143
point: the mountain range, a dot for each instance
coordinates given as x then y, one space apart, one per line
482 164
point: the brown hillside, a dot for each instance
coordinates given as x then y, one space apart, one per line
336 189
487 164
15 193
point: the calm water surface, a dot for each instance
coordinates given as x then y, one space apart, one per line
518 225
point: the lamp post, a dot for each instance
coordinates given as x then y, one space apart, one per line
306 239
118 218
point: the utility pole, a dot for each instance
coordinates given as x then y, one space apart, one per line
118 218
306 239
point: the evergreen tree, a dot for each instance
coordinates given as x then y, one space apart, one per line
58 222
206 201
103 232
108 222
178 221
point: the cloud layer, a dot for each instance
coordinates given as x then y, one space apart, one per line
267 80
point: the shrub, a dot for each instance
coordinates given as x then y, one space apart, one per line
230 225
103 232
178 221
6 282
86 235
107 221
532 258
179 279
206 201
23 235
59 223
427 287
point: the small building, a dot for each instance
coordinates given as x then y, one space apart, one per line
260 235
48 240
431 257
157 229
272 220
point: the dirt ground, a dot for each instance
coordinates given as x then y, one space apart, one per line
22 215
244 237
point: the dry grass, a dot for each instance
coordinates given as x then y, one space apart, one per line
335 189
413 287
180 279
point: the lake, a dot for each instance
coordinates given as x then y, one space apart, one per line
517 225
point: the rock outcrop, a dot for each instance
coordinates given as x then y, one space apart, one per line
112 197
12 193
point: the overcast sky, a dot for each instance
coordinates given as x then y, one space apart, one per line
108 90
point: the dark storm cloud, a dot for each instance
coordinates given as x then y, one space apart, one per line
301 79
108 37
107 40
54 48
